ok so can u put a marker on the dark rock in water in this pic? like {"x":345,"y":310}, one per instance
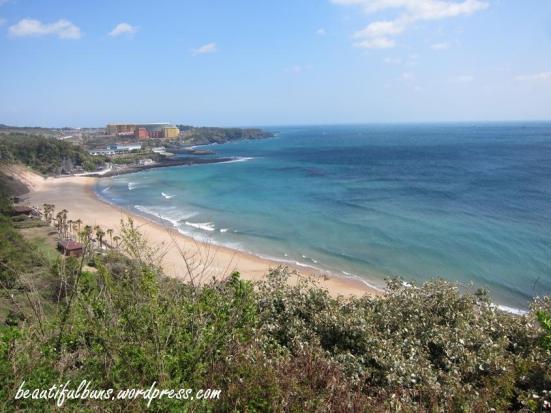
{"x":189,"y":151}
{"x":166,"y":163}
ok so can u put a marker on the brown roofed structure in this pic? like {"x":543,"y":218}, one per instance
{"x":70,"y":248}
{"x":22,"y":210}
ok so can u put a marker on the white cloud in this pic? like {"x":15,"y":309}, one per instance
{"x":408,"y":80}
{"x":420,"y":9}
{"x":298,"y":68}
{"x":123,"y":28}
{"x":412,"y":60}
{"x":379,"y":33}
{"x":63,"y":29}
{"x":392,"y":60}
{"x":321,"y":32}
{"x":462,"y":79}
{"x":376,"y":43}
{"x":440,"y":46}
{"x":381,"y":29}
{"x":205,"y":49}
{"x":376,"y":35}
{"x":407,"y":77}
{"x":542,"y":76}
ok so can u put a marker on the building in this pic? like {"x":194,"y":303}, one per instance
{"x":22,"y":210}
{"x":125,"y":148}
{"x":115,"y":149}
{"x":171,"y":132}
{"x":120,"y":129}
{"x":141,"y":133}
{"x":144,"y":130}
{"x":70,"y":248}
{"x":101,"y":152}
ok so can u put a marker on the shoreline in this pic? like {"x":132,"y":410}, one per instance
{"x":77,"y":196}
{"x":302,"y":268}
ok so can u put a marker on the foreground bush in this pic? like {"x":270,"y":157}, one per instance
{"x":271,"y":346}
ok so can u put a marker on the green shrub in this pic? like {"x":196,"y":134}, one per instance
{"x":544,"y":319}
{"x":273,"y":346}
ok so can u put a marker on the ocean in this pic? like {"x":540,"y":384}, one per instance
{"x":464,"y":202}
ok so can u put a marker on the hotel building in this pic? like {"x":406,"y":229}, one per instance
{"x":144,"y":130}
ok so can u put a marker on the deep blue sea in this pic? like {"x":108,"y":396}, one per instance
{"x":465,"y":202}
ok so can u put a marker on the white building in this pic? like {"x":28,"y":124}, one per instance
{"x":115,"y":149}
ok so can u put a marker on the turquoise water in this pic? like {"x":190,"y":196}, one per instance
{"x":470,"y":203}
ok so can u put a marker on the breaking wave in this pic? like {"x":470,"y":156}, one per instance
{"x":205,"y":226}
{"x":171,"y":214}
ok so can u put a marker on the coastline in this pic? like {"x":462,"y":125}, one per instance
{"x":165,"y":163}
{"x":77,"y":195}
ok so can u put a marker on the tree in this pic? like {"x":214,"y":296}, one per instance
{"x":110,"y":232}
{"x":48,"y":212}
{"x":47,"y":156}
{"x":79,"y":223}
{"x":117,"y":240}
{"x":99,"y":236}
{"x":86,"y":234}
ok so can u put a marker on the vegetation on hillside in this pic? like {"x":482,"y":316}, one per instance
{"x":206,"y":135}
{"x":268,"y":346}
{"x":46,"y":155}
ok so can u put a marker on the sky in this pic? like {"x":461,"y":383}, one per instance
{"x":246,"y":63}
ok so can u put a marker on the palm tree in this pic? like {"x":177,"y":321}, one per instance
{"x":110,"y":232}
{"x":62,"y":223}
{"x":99,"y":235}
{"x":79,"y":223}
{"x":59,"y":223}
{"x":48,"y":212}
{"x":117,"y":240}
{"x":86,"y":233}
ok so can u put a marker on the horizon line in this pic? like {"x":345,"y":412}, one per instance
{"x":307,"y":124}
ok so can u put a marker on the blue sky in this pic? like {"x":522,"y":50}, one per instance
{"x":86,"y":63}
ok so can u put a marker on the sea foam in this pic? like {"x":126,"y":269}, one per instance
{"x":173,"y":215}
{"x":511,"y":310}
{"x":205,"y":226}
{"x":239,"y":159}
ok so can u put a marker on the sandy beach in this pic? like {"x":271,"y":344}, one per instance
{"x":76,"y":195}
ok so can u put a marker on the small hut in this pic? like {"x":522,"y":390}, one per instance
{"x":19,"y":210}
{"x":70,"y":248}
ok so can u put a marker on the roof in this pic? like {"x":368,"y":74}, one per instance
{"x":70,"y":245}
{"x":139,"y":124}
{"x":22,"y":208}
